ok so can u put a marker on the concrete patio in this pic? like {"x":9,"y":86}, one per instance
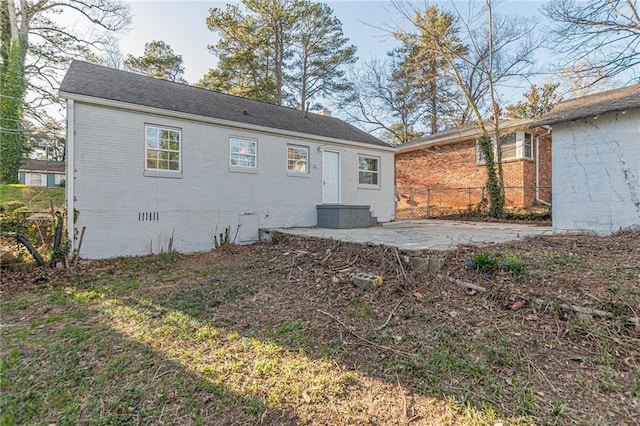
{"x":427,"y":234}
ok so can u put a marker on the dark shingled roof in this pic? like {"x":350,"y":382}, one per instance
{"x":43,"y":165}
{"x":88,"y":79}
{"x":592,"y":105}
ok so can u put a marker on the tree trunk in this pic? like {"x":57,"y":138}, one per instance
{"x":304,"y":78}
{"x":434,"y":98}
{"x":496,"y":194}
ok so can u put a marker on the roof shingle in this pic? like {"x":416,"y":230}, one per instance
{"x":96,"y":81}
{"x":592,"y":105}
{"x":32,"y":164}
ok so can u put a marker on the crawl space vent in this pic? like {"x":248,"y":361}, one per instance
{"x":148,"y":216}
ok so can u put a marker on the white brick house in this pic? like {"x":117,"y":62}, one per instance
{"x":596,"y":162}
{"x":152,"y":161}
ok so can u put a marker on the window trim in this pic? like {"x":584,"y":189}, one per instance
{"x":524,"y":146}
{"x":157,"y":172}
{"x":377,"y":172}
{"x":242,"y":168}
{"x":307,"y":160}
{"x":509,"y":144}
{"x":480,"y":160}
{"x":520,"y":147}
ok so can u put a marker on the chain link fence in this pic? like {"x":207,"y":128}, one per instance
{"x":427,"y":202}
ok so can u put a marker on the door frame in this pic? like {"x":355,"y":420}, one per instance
{"x":338,"y":177}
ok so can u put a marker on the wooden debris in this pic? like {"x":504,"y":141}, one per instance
{"x":390,"y":315}
{"x":374,"y":344}
{"x":586,"y":311}
{"x":465,"y":284}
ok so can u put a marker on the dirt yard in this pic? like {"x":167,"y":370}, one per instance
{"x":541,"y":331}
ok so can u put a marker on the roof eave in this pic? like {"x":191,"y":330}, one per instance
{"x":458,"y":137}
{"x":217,"y":121}
{"x":563,"y":119}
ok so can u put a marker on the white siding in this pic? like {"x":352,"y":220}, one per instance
{"x":111,"y":190}
{"x":596,"y":174}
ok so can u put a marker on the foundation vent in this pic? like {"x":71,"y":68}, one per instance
{"x":148,"y":216}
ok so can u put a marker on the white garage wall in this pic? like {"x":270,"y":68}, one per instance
{"x":596,"y":173}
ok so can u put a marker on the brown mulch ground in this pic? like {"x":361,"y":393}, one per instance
{"x":520,"y":348}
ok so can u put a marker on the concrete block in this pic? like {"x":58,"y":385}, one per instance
{"x":366,"y":281}
{"x":418,"y":263}
{"x":435,"y":264}
{"x":432,"y":264}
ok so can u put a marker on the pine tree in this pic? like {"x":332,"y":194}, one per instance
{"x":159,"y":61}
{"x":428,"y":69}
{"x":279,"y":51}
{"x":536,"y":102}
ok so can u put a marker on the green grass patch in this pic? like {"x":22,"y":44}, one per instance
{"x":34,"y":197}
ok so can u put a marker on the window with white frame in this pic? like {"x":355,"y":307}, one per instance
{"x":508,"y":146}
{"x":297,"y":159}
{"x":162,"y":148}
{"x":243,"y":153}
{"x":516,"y":145}
{"x":528,"y":146}
{"x":368,"y":170}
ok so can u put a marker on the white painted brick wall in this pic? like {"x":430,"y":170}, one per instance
{"x":596,"y":173}
{"x":111,"y":190}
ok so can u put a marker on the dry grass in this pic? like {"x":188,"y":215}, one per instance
{"x":275,"y":334}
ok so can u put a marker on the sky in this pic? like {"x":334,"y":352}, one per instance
{"x":181,"y":24}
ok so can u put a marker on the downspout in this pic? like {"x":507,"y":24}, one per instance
{"x":70,"y":182}
{"x":538,"y":200}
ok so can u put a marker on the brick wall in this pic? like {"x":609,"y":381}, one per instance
{"x":545,"y":168}
{"x":456,"y":181}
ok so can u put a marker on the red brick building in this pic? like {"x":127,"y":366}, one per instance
{"x":445,"y":172}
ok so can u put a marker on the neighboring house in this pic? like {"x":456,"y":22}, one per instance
{"x":596,"y":162}
{"x":447,"y":172}
{"x":41,"y":173}
{"x":154,"y":164}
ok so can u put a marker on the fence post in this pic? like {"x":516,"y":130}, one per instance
{"x":469,"y":203}
{"x":411,"y":203}
{"x":428,"y":202}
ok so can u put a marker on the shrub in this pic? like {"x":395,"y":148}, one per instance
{"x":482,"y":261}
{"x":8,"y":207}
{"x":513,"y":264}
{"x":484,"y":264}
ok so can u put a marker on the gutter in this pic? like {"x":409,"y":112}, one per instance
{"x":538,"y":199}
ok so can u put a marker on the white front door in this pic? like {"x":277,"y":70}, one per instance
{"x":330,"y":177}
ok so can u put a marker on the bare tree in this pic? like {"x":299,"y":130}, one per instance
{"x":51,"y":45}
{"x":34,"y":49}
{"x":384,"y":99}
{"x":602,"y":33}
{"x":583,"y":78}
{"x":499,"y":49}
